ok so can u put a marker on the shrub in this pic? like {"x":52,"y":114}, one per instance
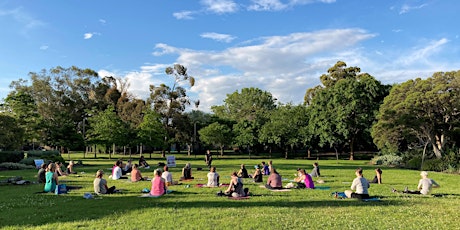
{"x":387,"y":160}
{"x":414,"y":163}
{"x":42,"y":154}
{"x":437,"y":165}
{"x":14,"y":166}
{"x":11,"y":156}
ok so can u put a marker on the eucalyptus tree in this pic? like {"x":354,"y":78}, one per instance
{"x":250,"y":109}
{"x":344,"y":110}
{"x":151,"y":131}
{"x":171,"y":101}
{"x":420,"y":112}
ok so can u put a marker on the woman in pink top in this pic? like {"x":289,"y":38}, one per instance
{"x":158,"y":184}
{"x":304,"y":180}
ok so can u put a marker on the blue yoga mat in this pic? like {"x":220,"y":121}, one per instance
{"x":323,"y":187}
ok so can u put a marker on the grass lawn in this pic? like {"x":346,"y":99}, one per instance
{"x":190,"y":207}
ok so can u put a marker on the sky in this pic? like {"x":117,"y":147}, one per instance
{"x":280,"y":46}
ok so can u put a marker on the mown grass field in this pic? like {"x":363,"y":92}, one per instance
{"x":190,"y":207}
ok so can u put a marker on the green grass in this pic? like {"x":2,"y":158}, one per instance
{"x":200,"y":208}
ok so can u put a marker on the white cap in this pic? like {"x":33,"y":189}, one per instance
{"x":424,"y":173}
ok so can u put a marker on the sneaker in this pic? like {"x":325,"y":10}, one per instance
{"x":393,"y":189}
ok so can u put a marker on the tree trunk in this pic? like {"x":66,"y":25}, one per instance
{"x":352,"y":153}
{"x":221,"y":151}
{"x":309,"y":153}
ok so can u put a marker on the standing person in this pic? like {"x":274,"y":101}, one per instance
{"x":378,"y":176}
{"x":360,"y":185}
{"x":315,"y":171}
{"x":100,"y":184}
{"x":257,"y":176}
{"x":51,"y":178}
{"x":41,"y":175}
{"x":265,"y":169}
{"x":274,"y":180}
{"x":424,"y":185}
{"x":158,"y":184}
{"x":208,"y":158}
{"x":213,"y":178}
{"x":136,"y":175}
{"x":243,"y":173}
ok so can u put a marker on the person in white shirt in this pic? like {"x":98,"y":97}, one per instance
{"x":360,"y":185}
{"x":213,"y":178}
{"x":168,"y":176}
{"x":424,"y":185}
{"x":117,"y":172}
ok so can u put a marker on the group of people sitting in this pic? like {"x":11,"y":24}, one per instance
{"x":49,"y":174}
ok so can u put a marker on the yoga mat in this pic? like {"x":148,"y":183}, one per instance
{"x":323,"y":187}
{"x":281,"y":190}
{"x":371,"y":199}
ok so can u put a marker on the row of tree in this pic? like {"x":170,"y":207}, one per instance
{"x":71,"y":108}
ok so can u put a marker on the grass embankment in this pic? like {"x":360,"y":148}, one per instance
{"x":200,"y":208}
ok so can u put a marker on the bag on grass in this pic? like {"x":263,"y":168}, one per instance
{"x":60,"y":189}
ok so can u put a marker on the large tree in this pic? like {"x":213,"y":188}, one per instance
{"x":344,"y":110}
{"x":283,"y":127}
{"x":216,"y":134}
{"x":420,"y":112}
{"x":250,"y":109}
{"x":170,"y":101}
{"x":11,"y":133}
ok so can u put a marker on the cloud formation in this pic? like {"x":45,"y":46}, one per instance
{"x":218,"y":37}
{"x":407,"y":8}
{"x":90,"y":35}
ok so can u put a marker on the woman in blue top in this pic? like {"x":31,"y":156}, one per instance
{"x":51,"y":178}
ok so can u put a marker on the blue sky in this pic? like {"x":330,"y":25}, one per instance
{"x":281,"y":46}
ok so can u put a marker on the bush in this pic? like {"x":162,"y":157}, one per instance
{"x":387,"y":160}
{"x":437,"y":165}
{"x":14,"y":166}
{"x":11,"y":156}
{"x":414,"y":163}
{"x":42,"y":154}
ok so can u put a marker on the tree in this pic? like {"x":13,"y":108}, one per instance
{"x":250,"y":109}
{"x":169,"y":101}
{"x":344,"y":110}
{"x":107,"y":128}
{"x":420,"y":112}
{"x":216,"y":134}
{"x":150,"y":130}
{"x":283,"y":127}
{"x":11,"y":133}
{"x":21,"y":105}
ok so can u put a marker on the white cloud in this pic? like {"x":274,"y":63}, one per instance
{"x":44,"y":47}
{"x":272,"y":64}
{"x":218,"y":37}
{"x":183,"y":15}
{"x":420,"y":55}
{"x":220,"y":6}
{"x":90,"y":35}
{"x":23,"y":18}
{"x":267,"y":5}
{"x":87,"y":35}
{"x":406,"y":8}
{"x":102,"y":21}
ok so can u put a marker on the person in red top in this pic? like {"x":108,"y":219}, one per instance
{"x":136,"y":174}
{"x":158,"y":184}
